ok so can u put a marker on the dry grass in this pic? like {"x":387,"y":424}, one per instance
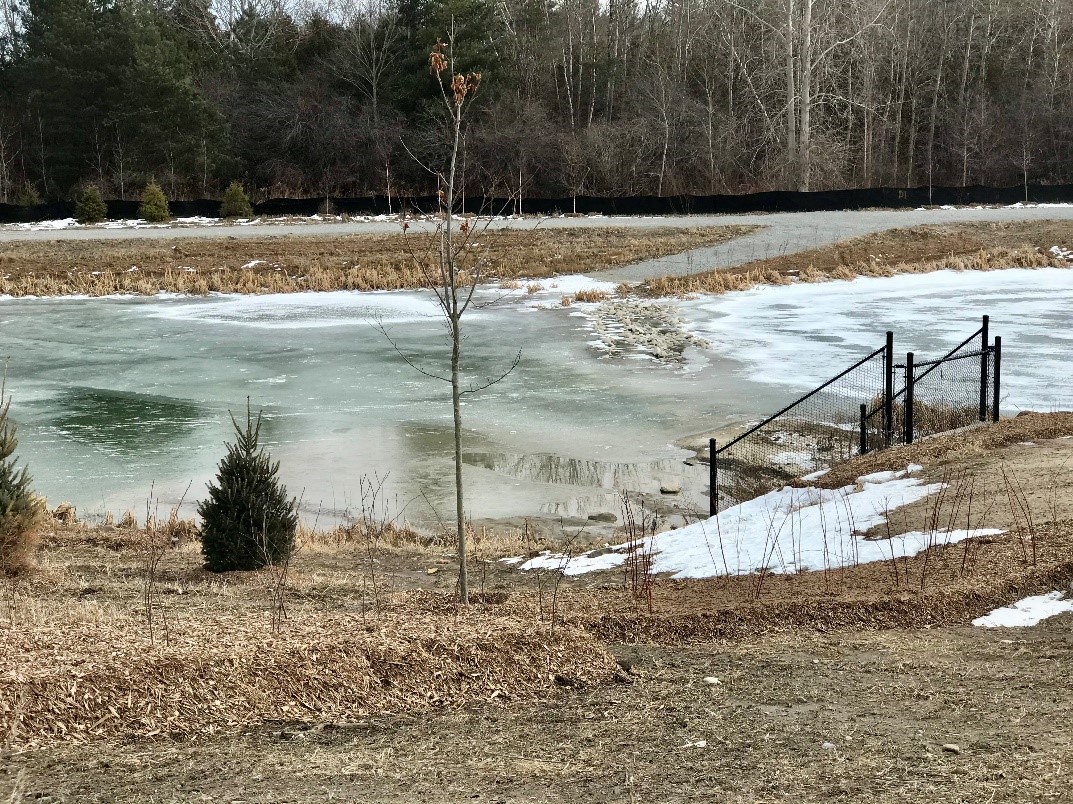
{"x":87,"y":680}
{"x":960,"y":247}
{"x":884,"y":702}
{"x":973,"y":443}
{"x":352,"y":262}
{"x":370,"y":627}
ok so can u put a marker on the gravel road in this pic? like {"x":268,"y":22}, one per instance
{"x":784,"y":232}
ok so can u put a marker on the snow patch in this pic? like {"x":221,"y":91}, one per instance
{"x":1026,"y":612}
{"x":784,"y":531}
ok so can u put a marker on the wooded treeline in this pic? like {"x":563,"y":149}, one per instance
{"x":592,"y":97}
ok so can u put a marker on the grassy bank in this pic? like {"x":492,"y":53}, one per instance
{"x":922,"y":249}
{"x":351,"y":262}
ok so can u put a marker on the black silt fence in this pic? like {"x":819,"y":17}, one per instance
{"x":829,"y":200}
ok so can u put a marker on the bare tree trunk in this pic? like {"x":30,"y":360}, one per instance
{"x":454,"y":315}
{"x":791,"y":89}
{"x":805,"y":90}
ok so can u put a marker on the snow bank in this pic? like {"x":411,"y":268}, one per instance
{"x":788,"y":530}
{"x":1026,"y":612}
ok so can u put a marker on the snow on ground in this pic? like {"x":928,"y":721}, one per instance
{"x":787,"y":530}
{"x":798,"y":335}
{"x":1026,"y":612}
{"x":547,"y":292}
{"x":1021,"y":205}
{"x":305,"y":310}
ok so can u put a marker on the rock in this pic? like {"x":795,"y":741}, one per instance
{"x":603,"y":516}
{"x":712,"y":680}
{"x":432,"y":570}
{"x":670,"y":487}
{"x":828,"y":746}
{"x":952,"y":748}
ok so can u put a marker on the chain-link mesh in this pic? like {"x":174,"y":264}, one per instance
{"x":814,"y":433}
{"x":950,"y":393}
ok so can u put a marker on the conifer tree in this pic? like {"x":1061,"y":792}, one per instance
{"x":90,"y":206}
{"x":28,"y":195}
{"x":154,"y":205}
{"x":21,"y":511}
{"x":247,"y":521}
{"x":236,"y":204}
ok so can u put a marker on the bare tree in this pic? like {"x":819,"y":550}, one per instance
{"x":452,"y":269}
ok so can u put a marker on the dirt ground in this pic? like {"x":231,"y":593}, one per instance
{"x":862,"y":685}
{"x":347,"y":262}
{"x":857,"y":716}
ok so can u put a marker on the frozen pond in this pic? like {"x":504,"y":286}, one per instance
{"x":114,"y":397}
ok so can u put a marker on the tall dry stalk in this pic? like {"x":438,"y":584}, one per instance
{"x":153,"y":547}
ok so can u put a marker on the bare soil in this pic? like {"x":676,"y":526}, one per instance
{"x":348,"y":262}
{"x":851,"y":716}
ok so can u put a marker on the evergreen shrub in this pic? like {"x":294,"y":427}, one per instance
{"x":28,"y":196}
{"x":247,"y":522}
{"x":236,"y":204}
{"x":154,"y":206}
{"x":21,"y":511}
{"x":90,"y":206}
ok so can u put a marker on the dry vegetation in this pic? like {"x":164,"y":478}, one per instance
{"x":922,"y":249}
{"x":351,"y":262}
{"x":357,"y":672}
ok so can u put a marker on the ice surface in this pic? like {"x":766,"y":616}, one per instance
{"x":797,"y":335}
{"x":1026,"y":612}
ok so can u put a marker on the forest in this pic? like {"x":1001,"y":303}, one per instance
{"x":577,"y":97}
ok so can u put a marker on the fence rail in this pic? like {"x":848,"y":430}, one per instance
{"x":870,"y":405}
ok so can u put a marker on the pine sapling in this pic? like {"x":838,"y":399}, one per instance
{"x":248,"y":521}
{"x":90,"y":206}
{"x":236,"y":203}
{"x":21,"y":511}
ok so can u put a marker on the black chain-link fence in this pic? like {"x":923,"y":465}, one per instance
{"x":815,"y":432}
{"x":957,"y":390}
{"x":871,"y":405}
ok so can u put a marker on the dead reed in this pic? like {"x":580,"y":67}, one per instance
{"x":257,"y":265}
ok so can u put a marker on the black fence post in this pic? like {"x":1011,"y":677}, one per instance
{"x":996,"y":383}
{"x":910,"y":376}
{"x":713,"y":479}
{"x":864,"y":428}
{"x":983,"y":370}
{"x":888,"y":389}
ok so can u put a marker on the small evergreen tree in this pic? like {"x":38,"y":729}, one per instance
{"x":90,"y":206}
{"x":154,"y":206}
{"x":28,"y":195}
{"x":236,"y":204}
{"x":247,"y":521}
{"x":21,"y":511}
